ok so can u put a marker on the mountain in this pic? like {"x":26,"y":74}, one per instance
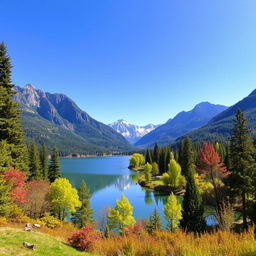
{"x":219,"y":127}
{"x":181,"y":124}
{"x":130,"y":131}
{"x":56,"y":120}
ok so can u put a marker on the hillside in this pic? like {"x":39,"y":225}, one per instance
{"x":56,"y":120}
{"x":11,"y":244}
{"x":130,"y":131}
{"x":219,"y":127}
{"x":181,"y":124}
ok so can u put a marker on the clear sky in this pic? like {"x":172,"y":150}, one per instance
{"x":140,"y":60}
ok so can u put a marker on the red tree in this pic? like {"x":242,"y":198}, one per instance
{"x":209,"y":162}
{"x":18,"y":185}
{"x":85,"y":238}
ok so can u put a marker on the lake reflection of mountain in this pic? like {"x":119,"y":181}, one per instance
{"x":124,"y":182}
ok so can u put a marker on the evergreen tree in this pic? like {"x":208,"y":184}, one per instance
{"x":186,"y":157}
{"x":242,"y":163}
{"x":10,"y":127}
{"x":5,"y":199}
{"x":162,"y":163}
{"x":148,"y":157}
{"x":83,"y":215}
{"x":193,"y":210}
{"x":54,"y":166}
{"x":156,"y":154}
{"x":34,"y":162}
{"x":44,"y":161}
{"x":154,"y":223}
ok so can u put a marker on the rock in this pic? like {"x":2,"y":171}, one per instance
{"x":27,"y":229}
{"x":36,"y":225}
{"x":29,"y":246}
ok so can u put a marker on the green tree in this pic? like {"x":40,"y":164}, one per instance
{"x":156,"y":154}
{"x":34,"y":162}
{"x":54,"y":166}
{"x":5,"y":199}
{"x":148,"y":157}
{"x":44,"y":161}
{"x":172,"y":212}
{"x":10,"y":127}
{"x":147,"y":172}
{"x":83,"y":215}
{"x":5,"y":155}
{"x":64,"y":198}
{"x":136,"y":160}
{"x":155,"y":169}
{"x":121,"y":216}
{"x":162,"y":159}
{"x":154,"y":223}
{"x":242,"y":163}
{"x":193,"y":209}
{"x":187,"y":157}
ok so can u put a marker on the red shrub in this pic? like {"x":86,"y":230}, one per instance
{"x":18,"y":189}
{"x":137,"y":229}
{"x":85,"y":239}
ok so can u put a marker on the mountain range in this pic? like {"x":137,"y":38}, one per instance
{"x":181,"y":124}
{"x":130,"y":131}
{"x":56,"y":120}
{"x":219,"y":127}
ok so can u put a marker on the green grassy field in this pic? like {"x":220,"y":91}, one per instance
{"x":11,"y":244}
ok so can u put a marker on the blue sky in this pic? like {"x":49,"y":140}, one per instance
{"x":140,"y":60}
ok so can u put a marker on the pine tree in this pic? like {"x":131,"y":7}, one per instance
{"x":148,"y":158}
{"x":154,"y":223}
{"x":34,"y":162}
{"x":44,"y":161}
{"x":83,"y":215}
{"x":10,"y":127}
{"x":54,"y":166}
{"x":242,"y":163}
{"x":162,"y":159}
{"x":5,"y":199}
{"x":187,"y":157}
{"x":193,"y":210}
{"x":156,"y":154}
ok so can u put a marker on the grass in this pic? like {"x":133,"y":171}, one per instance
{"x":11,"y":240}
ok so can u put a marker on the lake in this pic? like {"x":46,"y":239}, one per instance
{"x":108,"y":178}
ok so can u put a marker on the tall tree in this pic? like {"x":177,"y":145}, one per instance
{"x":186,"y":157}
{"x":83,"y":215}
{"x":172,"y":212}
{"x":147,"y":172}
{"x":148,"y":157}
{"x":210,"y":163}
{"x":242,"y":163}
{"x":34,"y":162}
{"x":156,"y":154}
{"x":10,"y":127}
{"x":192,"y":206}
{"x":5,"y":199}
{"x":44,"y":161}
{"x":54,"y":166}
{"x":162,"y":159}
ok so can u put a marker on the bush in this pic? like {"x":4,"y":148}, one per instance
{"x":50,"y":221}
{"x":17,"y":215}
{"x":85,"y":239}
{"x":3,"y":221}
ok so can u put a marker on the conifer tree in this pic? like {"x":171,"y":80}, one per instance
{"x":83,"y":215}
{"x":44,"y":161}
{"x":156,"y":154}
{"x":154,"y":223}
{"x":34,"y":162}
{"x":5,"y":199}
{"x":10,"y":127}
{"x":148,"y":157}
{"x":242,"y":163}
{"x":167,"y":157}
{"x":54,"y":166}
{"x":192,"y":207}
{"x":186,"y":157}
{"x":162,"y":163}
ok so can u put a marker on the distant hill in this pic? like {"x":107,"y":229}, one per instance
{"x":56,"y":120}
{"x":130,"y":131}
{"x":219,"y":127}
{"x":181,"y":124}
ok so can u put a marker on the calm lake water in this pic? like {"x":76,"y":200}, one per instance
{"x":108,"y":178}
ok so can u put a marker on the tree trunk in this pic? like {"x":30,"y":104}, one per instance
{"x":244,"y":213}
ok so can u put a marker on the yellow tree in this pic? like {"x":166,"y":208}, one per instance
{"x":64,"y":198}
{"x":121,"y":216}
{"x":172,"y":212}
{"x":148,"y":172}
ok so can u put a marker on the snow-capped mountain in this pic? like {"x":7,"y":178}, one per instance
{"x":130,"y":131}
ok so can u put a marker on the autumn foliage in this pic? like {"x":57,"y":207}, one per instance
{"x":18,"y":185}
{"x":85,"y":239}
